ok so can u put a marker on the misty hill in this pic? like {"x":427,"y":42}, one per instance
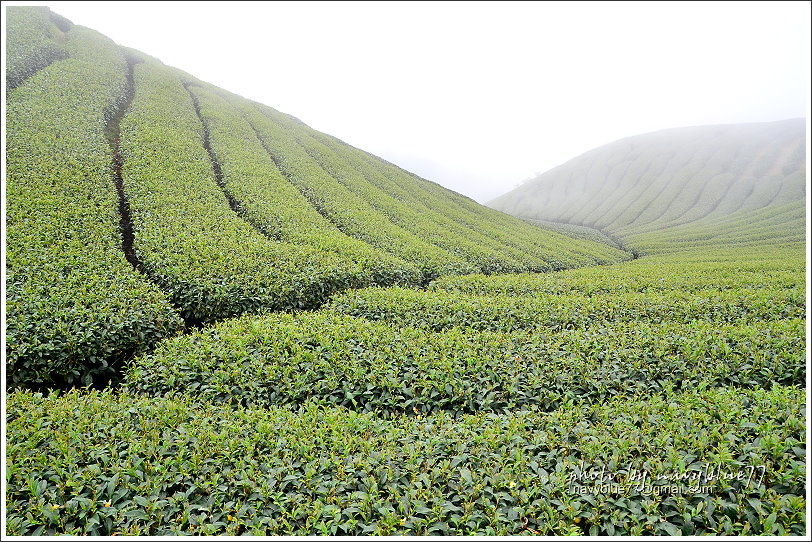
{"x":140,"y":198}
{"x":740,"y":183}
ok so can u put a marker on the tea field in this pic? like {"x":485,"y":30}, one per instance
{"x":220,"y":321}
{"x":669,"y":190}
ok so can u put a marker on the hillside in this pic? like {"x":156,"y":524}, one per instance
{"x":220,"y":321}
{"x":726,"y":184}
{"x":140,"y":200}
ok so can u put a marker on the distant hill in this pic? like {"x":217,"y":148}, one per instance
{"x":738,"y":183}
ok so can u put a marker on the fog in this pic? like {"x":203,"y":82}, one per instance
{"x":480,"y":96}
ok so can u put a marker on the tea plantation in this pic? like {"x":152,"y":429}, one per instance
{"x":683,"y":187}
{"x":222,"y":322}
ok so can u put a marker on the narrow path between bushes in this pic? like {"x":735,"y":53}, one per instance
{"x":284,"y":174}
{"x":235,"y":205}
{"x":113,"y":133}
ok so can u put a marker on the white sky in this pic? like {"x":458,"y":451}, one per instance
{"x":480,"y":96}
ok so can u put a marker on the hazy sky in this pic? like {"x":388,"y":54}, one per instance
{"x":480,"y":96}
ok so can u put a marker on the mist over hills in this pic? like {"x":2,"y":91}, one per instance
{"x":736,"y":183}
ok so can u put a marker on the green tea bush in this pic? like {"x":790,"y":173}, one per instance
{"x":573,"y":230}
{"x":491,"y":240}
{"x":275,"y":207}
{"x":683,"y":272}
{"x":560,"y":251}
{"x":412,"y":215}
{"x":340,"y":360}
{"x":33,"y":41}
{"x":74,"y":306}
{"x":212,"y":263}
{"x":439,"y":310}
{"x":351,"y":214}
{"x":102,"y":463}
{"x":770,"y":227}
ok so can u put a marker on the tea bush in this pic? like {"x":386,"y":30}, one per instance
{"x":74,"y":306}
{"x":33,"y":42}
{"x":286,"y":359}
{"x":770,"y":227}
{"x":557,"y":251}
{"x":438,"y":310}
{"x":480,"y":237}
{"x":686,"y":272}
{"x":212,"y":263}
{"x":102,"y":463}
{"x":350,"y":213}
{"x":275,"y":207}
{"x":414,"y":216}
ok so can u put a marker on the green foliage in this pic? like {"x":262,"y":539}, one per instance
{"x":213,"y":263}
{"x":480,"y":242}
{"x":275,"y":207}
{"x":559,"y":251}
{"x":75,"y":307}
{"x":572,"y":230}
{"x":340,"y":360}
{"x":494,"y":242}
{"x":351,"y":214}
{"x":742,"y":184}
{"x":33,"y":41}
{"x":483,"y":406}
{"x":438,"y":310}
{"x":774,"y":226}
{"x":723,"y":269}
{"x":129,"y":465}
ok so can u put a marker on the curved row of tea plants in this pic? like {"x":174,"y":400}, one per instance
{"x":479,"y":241}
{"x":772,"y":192}
{"x":74,"y":305}
{"x":213,"y":263}
{"x":438,"y":310}
{"x":723,"y":269}
{"x":285,"y":359}
{"x":685,"y":184}
{"x":559,"y":251}
{"x":572,"y":230}
{"x":407,"y":202}
{"x":350,"y":213}
{"x":274,"y":206}
{"x":781,"y":181}
{"x":130,"y":465}
{"x":769,"y":227}
{"x":33,"y":41}
{"x":439,"y":230}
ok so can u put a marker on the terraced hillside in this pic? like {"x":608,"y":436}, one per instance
{"x":222,"y":322}
{"x":141,"y":199}
{"x":727,"y":184}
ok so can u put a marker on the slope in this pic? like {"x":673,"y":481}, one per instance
{"x":138,"y":195}
{"x":728,"y":183}
{"x":483,"y":404}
